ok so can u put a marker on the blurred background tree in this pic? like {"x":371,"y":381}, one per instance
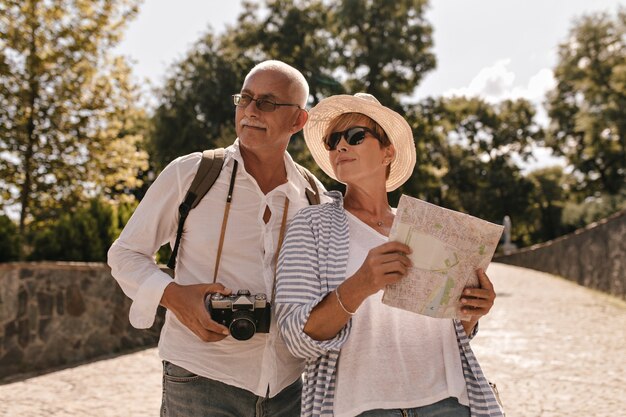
{"x":588,"y":106}
{"x":9,"y":244}
{"x":550,"y":187}
{"x":370,"y":61}
{"x":67,"y":107}
{"x":195,"y":107}
{"x":84,"y":234}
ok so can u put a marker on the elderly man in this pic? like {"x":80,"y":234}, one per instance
{"x":224,"y":248}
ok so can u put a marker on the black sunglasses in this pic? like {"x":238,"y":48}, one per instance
{"x":263,"y":104}
{"x":354,"y":136}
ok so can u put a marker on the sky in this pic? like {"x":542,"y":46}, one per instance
{"x":495,"y":49}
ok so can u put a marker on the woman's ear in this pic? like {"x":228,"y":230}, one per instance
{"x":390,"y":154}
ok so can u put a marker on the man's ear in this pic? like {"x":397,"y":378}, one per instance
{"x":300,"y":121}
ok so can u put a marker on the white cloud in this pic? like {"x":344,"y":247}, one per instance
{"x":538,"y":85}
{"x":543,"y":158}
{"x":491,"y":83}
{"x":497,"y":82}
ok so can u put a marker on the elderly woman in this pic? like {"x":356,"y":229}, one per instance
{"x":362,"y":357}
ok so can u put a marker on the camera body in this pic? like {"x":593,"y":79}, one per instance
{"x":244,"y":314}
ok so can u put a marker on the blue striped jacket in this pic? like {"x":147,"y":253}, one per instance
{"x":311,"y":264}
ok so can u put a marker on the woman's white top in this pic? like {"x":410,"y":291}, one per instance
{"x":393,"y":358}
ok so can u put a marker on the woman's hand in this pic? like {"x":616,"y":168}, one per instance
{"x":477,"y":302}
{"x":385,"y":264}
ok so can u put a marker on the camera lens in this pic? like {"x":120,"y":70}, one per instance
{"x":242,"y":327}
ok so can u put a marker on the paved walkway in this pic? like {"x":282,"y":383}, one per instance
{"x":553,"y":348}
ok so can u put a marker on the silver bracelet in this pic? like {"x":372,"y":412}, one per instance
{"x":341,"y":303}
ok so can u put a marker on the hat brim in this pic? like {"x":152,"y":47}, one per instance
{"x":395,"y":126}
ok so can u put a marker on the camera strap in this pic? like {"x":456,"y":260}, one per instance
{"x":229,"y":198}
{"x":281,"y":234}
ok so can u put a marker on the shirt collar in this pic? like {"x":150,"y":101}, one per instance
{"x":296,"y":183}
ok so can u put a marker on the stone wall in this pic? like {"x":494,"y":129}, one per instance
{"x":594,"y":256}
{"x":60,"y":314}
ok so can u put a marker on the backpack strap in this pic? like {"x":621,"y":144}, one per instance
{"x":208,"y":171}
{"x":312,"y":195}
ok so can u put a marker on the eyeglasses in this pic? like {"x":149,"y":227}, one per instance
{"x":354,"y":136}
{"x":263,"y":104}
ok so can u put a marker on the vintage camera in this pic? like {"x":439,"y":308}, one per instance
{"x":242,"y":313}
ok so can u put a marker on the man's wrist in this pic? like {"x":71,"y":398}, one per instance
{"x":167,"y":294}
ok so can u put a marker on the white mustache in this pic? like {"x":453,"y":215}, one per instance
{"x":251,"y":123}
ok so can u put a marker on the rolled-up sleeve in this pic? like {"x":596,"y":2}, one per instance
{"x":299,"y":289}
{"x":154,"y":222}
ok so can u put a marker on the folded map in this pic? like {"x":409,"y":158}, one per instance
{"x":448,"y":247}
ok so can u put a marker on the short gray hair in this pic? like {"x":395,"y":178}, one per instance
{"x":295,"y":77}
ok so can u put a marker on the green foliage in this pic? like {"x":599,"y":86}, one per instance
{"x":163,"y":254}
{"x":196,"y":105}
{"x":68,"y":109}
{"x":9,"y":242}
{"x":550,"y":187}
{"x":588,"y":105}
{"x":384,"y":46}
{"x":299,"y":33}
{"x":82,"y":235}
{"x":342,"y":46}
{"x":578,"y":215}
{"x":123,"y":211}
{"x":426,"y":182}
{"x":472,"y":145}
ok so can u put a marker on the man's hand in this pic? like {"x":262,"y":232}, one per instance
{"x":477,"y":302}
{"x":187,"y":304}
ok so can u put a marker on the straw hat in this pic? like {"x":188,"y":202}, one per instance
{"x":397,"y":129}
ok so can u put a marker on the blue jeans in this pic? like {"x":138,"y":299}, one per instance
{"x":189,"y":395}
{"x":448,"y":407}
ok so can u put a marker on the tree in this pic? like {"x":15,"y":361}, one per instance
{"x":385,"y":46}
{"x":84,"y":234}
{"x":473,"y":145}
{"x":588,"y":105}
{"x":61,"y":118}
{"x":196,"y":107}
{"x":426,"y":182}
{"x":118,"y":159}
{"x":9,"y":249}
{"x":550,"y":191}
{"x":296,"y":32}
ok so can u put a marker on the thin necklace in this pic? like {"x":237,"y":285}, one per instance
{"x":379,"y":223}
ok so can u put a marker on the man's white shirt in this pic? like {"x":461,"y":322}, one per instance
{"x":247,"y":262}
